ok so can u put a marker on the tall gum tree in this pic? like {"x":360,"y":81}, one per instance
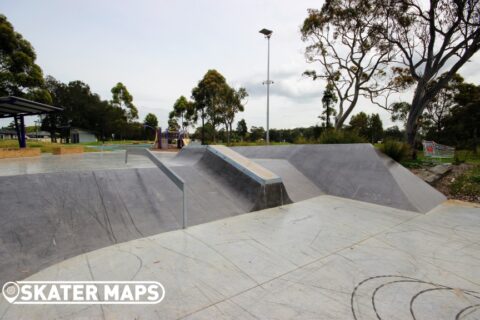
{"x":123,"y":99}
{"x":353,"y":56}
{"x":207,"y":97}
{"x":19,"y":74}
{"x":434,"y":40}
{"x":233,"y":103}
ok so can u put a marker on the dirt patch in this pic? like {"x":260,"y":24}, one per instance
{"x":443,"y":184}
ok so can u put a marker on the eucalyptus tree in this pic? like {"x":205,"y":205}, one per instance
{"x":242,"y":129}
{"x":232,"y":104}
{"x":19,"y":74}
{"x":208,"y":97}
{"x":434,"y":39}
{"x":123,"y":99}
{"x":351,"y":51}
{"x":329,"y":98}
{"x":183,"y":111}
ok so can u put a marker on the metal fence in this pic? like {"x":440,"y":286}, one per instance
{"x":431,"y":149}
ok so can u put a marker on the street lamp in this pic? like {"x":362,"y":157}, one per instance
{"x":268,"y":33}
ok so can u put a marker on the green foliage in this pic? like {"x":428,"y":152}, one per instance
{"x":45,"y":147}
{"x":369,"y":127}
{"x":342,"y":27}
{"x":84,"y":109}
{"x":151,"y":124}
{"x":151,"y":120}
{"x":19,"y":75}
{"x":340,"y":136}
{"x":173,"y":125}
{"x":329,"y":100}
{"x":257,"y":133}
{"x":394,"y":133}
{"x":467,"y":183}
{"x":461,"y":127}
{"x":215,"y":102}
{"x":242,"y":129}
{"x":457,"y":160}
{"x":396,"y":150}
{"x":122,"y":98}
{"x":183,"y":112}
{"x":375,"y":128}
{"x":359,"y":123}
{"x":302,"y":140}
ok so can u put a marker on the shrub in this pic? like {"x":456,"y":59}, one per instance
{"x":301,"y":140}
{"x":340,"y":136}
{"x":467,"y":183}
{"x":395,"y":149}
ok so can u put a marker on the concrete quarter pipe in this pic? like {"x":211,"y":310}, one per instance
{"x":49,"y":217}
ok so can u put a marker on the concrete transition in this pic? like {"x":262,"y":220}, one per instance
{"x":321,"y":258}
{"x":355,"y":171}
{"x":50,"y":216}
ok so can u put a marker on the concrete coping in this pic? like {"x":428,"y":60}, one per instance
{"x":245,"y":165}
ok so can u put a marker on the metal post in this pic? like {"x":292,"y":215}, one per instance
{"x":268,"y":91}
{"x":23,"y":142}
{"x":268,"y":33}
{"x":17,"y":130}
{"x":184,"y":211}
{"x":170,"y":174}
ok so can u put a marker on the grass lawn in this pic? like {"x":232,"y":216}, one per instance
{"x":250,"y":144}
{"x":114,"y":142}
{"x":467,"y":184}
{"x":45,"y":147}
{"x":461,"y":156}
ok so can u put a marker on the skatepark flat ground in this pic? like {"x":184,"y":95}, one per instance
{"x":322,"y":258}
{"x":365,"y":238}
{"x":56,"y":207}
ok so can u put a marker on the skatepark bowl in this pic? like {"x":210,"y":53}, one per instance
{"x":272,"y":232}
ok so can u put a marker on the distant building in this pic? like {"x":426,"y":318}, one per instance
{"x":79,"y":135}
{"x":8,"y":134}
{"x":40,"y":136}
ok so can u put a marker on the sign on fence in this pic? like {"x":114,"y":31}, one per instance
{"x":431,"y":149}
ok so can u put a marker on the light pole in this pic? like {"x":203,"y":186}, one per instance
{"x":268,"y":33}
{"x":37,"y":122}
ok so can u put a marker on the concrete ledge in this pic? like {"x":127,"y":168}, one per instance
{"x":245,"y":165}
{"x":67,"y":150}
{"x":19,"y":153}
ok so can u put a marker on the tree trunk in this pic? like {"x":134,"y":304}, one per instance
{"x":342,"y":117}
{"x":475,"y":140}
{"x":228,"y":133}
{"x":203,"y":128}
{"x":416,"y":109}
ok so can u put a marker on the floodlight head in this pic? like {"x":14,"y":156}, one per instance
{"x":267,"y":33}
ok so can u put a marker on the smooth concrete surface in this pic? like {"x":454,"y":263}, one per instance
{"x":355,"y":171}
{"x":74,"y":205}
{"x":72,"y":162}
{"x":245,"y":165}
{"x":249,"y":187}
{"x":322,"y":258}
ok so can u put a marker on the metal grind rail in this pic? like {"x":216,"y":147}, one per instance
{"x":168,"y":172}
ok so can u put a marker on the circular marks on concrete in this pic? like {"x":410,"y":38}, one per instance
{"x":399,"y":297}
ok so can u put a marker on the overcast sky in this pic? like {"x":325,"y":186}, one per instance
{"x":160,"y":49}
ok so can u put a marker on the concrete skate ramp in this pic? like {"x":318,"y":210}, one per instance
{"x":355,"y":171}
{"x":49,"y":217}
{"x":214,"y":176}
